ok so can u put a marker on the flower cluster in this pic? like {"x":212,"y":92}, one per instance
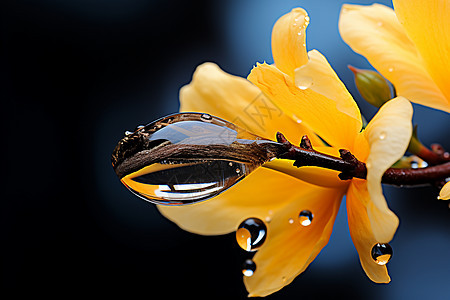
{"x":287,"y":213}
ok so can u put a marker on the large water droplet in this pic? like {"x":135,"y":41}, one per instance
{"x":381,"y":253}
{"x":248,"y":268}
{"x":305,"y":217}
{"x":251,"y":234}
{"x":186,"y":158}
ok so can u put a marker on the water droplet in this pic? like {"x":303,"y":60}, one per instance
{"x":291,"y":221}
{"x":391,"y":69}
{"x":145,"y":163}
{"x":381,"y":253}
{"x":206,"y":117}
{"x":139,"y":127}
{"x":305,"y":217}
{"x":283,"y":279}
{"x":382,"y":135}
{"x":307,"y":19}
{"x":251,"y":234}
{"x":379,"y":24}
{"x":128,"y":132}
{"x":248,"y":268}
{"x":297,"y":119}
{"x":303,"y":82}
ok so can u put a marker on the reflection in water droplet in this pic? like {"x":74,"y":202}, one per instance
{"x":291,"y":221}
{"x":391,"y":69}
{"x":128,"y":132}
{"x":381,"y":253}
{"x":305,"y":218}
{"x":251,"y":234}
{"x":303,"y":82}
{"x":382,"y":135}
{"x":206,"y":117}
{"x":248,"y":268}
{"x":151,"y":162}
{"x":177,"y":182}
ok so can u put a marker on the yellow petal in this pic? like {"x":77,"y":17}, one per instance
{"x":375,"y":32}
{"x":427,"y":23}
{"x":314,"y":175}
{"x":445,"y":192}
{"x":320,"y":113}
{"x":237,"y":100}
{"x":361,"y":230}
{"x":291,"y":247}
{"x":388,"y":135}
{"x":321,"y":78}
{"x":288,"y":41}
{"x":259,"y":195}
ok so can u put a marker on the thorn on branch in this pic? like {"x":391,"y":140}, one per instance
{"x":306,"y":143}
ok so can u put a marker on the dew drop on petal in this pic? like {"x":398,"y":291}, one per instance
{"x":305,"y":218}
{"x":391,"y":69}
{"x":381,"y":253}
{"x":382,"y":135}
{"x":251,"y":234}
{"x":303,"y":82}
{"x":248,"y":268}
{"x":291,"y":221}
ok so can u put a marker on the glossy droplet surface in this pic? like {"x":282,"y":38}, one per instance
{"x":382,"y":135}
{"x":305,"y":218}
{"x":248,"y":267}
{"x":175,"y":182}
{"x":303,"y":82}
{"x":186,"y":158}
{"x":251,"y":234}
{"x":381,"y":253}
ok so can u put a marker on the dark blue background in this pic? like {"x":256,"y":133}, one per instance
{"x":76,"y":74}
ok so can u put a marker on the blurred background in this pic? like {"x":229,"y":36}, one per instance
{"x":76,"y":74}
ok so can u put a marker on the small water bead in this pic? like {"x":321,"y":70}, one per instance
{"x":382,"y":135}
{"x":251,"y":234}
{"x":128,"y":132}
{"x":291,"y":221}
{"x":391,"y":69}
{"x":303,"y":82}
{"x":248,"y":268}
{"x":206,"y":117}
{"x":305,"y":218}
{"x":381,"y":253}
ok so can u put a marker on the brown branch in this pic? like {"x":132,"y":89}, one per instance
{"x":351,"y":167}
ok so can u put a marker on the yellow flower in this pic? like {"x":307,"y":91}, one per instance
{"x":410,"y":47}
{"x":301,"y":95}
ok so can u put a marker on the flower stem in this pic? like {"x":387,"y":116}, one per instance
{"x":351,"y":167}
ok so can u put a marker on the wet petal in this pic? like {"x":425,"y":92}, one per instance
{"x":260,"y":195}
{"x":361,"y":230}
{"x":375,"y":32}
{"x":325,"y":82}
{"x":289,"y":247}
{"x":320,"y":113}
{"x":314,"y":175}
{"x":444,"y":194}
{"x":427,"y":23}
{"x":288,"y":41}
{"x":388,"y":135}
{"x":237,"y":100}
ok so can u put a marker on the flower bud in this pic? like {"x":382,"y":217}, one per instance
{"x":373,"y":87}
